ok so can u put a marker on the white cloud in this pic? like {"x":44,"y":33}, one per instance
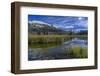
{"x":69,"y":26}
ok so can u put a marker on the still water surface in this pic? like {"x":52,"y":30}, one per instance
{"x":55,"y":51}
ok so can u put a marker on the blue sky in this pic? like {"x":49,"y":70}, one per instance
{"x":64,"y":22}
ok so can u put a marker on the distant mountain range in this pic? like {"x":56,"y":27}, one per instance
{"x":40,"y":27}
{"x":45,"y":28}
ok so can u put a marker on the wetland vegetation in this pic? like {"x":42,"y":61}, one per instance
{"x":49,"y":42}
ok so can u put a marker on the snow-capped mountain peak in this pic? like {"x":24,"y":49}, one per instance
{"x":38,"y":22}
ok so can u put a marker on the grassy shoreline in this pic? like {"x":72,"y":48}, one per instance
{"x":45,"y":39}
{"x":46,"y":36}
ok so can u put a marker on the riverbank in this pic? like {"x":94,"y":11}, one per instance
{"x":51,"y":39}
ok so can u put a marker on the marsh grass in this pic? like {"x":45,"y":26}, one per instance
{"x":77,"y":51}
{"x":48,"y":41}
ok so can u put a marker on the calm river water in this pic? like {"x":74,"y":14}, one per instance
{"x":55,"y":52}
